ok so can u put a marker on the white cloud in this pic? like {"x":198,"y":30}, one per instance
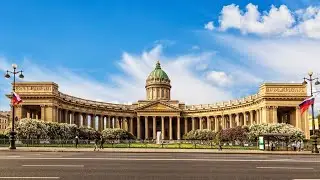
{"x":209,"y":26}
{"x":278,"y":21}
{"x":219,"y":78}
{"x":129,"y":86}
{"x":195,"y":47}
{"x":278,"y":59}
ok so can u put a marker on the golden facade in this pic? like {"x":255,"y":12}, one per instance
{"x":4,"y":120}
{"x":273,"y":103}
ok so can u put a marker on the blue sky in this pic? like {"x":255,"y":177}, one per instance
{"x":104,"y":50}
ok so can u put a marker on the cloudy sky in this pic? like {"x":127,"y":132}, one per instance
{"x":104,"y":50}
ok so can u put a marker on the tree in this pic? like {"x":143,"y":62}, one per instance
{"x":200,"y":134}
{"x":117,"y":134}
{"x":238,"y":133}
{"x":294,"y":133}
{"x":31,"y":129}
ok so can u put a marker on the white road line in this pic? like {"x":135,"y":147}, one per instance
{"x":13,"y":156}
{"x":53,"y":165}
{"x":283,"y":168}
{"x":29,"y":177}
{"x":173,"y":159}
{"x":305,"y":179}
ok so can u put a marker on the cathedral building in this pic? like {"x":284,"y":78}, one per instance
{"x":273,"y":103}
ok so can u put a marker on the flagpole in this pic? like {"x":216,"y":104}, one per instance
{"x":314,"y":136}
{"x":7,"y":75}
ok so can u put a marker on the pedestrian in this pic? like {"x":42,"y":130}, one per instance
{"x":101,"y":142}
{"x":299,"y":145}
{"x":294,"y":146}
{"x":77,"y":141}
{"x":302,"y":145}
{"x":220,"y":146}
{"x":96,"y":141}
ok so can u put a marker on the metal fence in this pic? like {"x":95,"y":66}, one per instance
{"x":177,"y":144}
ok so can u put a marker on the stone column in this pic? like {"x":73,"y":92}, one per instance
{"x":72,"y":118}
{"x":125,"y":123}
{"x":99,"y":123}
{"x":28,"y":115}
{"x":216,"y":123}
{"x":66,"y":117}
{"x":162,"y":128}
{"x":230,"y":121}
{"x":85,"y":119}
{"x":146,"y":127}
{"x":178,"y":128}
{"x":93,"y":121}
{"x":236,"y":119}
{"x":131,"y":125}
{"x":109,"y":123}
{"x":193,"y":123}
{"x":154,"y":127}
{"x":251,"y":117}
{"x":185,"y":125}
{"x":170,"y":128}
{"x":298,"y":117}
{"x":208,"y":123}
{"x":257,"y":116}
{"x":200,"y":123}
{"x":138,"y":128}
{"x":43,"y":115}
{"x":244,"y":118}
{"x":274,"y":114}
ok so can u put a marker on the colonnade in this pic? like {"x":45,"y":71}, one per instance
{"x":171,"y":127}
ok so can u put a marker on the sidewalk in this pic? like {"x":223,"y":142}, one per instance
{"x":153,"y":150}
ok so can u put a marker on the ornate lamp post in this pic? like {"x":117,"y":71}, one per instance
{"x":12,"y":133}
{"x":314,"y":137}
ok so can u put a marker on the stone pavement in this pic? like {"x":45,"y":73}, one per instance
{"x":155,"y":150}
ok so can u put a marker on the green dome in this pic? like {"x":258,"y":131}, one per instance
{"x":158,"y":73}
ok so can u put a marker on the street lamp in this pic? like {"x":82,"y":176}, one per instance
{"x":7,"y":75}
{"x":314,"y":137}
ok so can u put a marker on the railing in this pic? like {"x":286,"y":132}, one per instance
{"x":175,"y":144}
{"x":169,"y":144}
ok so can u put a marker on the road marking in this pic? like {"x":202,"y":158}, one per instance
{"x":29,"y":177}
{"x":53,"y":165}
{"x":173,"y":159}
{"x":13,"y":156}
{"x":305,"y":179}
{"x":282,"y":168}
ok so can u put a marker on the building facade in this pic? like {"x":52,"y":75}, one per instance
{"x":273,"y":103}
{"x":4,"y":120}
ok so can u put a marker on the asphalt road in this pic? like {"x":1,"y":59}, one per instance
{"x":156,"y":166}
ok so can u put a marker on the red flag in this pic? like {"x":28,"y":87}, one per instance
{"x":306,"y":104}
{"x":16,"y":99}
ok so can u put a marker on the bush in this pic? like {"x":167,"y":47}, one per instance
{"x":31,"y":129}
{"x":238,"y":133}
{"x":117,"y":134}
{"x":36,"y":129}
{"x":200,"y":134}
{"x":3,"y":135}
{"x":294,"y":133}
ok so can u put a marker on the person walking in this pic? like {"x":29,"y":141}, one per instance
{"x":77,"y":141}
{"x":102,"y":140}
{"x":96,"y":141}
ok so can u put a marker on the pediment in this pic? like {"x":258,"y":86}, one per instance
{"x":158,"y":106}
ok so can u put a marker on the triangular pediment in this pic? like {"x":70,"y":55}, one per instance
{"x":158,"y":106}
